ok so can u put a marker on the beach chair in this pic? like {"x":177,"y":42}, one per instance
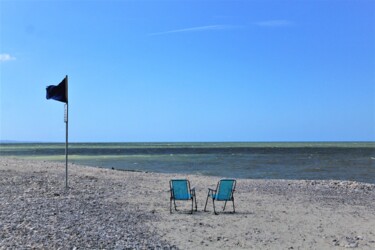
{"x":180,"y":190}
{"x":223,"y":192}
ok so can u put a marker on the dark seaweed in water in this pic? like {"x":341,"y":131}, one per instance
{"x":224,"y":150}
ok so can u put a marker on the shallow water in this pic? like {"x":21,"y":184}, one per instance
{"x":340,"y":161}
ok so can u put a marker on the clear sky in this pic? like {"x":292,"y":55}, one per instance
{"x":189,"y":70}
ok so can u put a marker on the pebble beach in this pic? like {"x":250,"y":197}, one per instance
{"x":111,"y":209}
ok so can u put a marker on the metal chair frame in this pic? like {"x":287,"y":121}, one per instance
{"x":215,"y":195}
{"x":190,"y":195}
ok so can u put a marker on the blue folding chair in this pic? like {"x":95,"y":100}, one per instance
{"x":180,"y":190}
{"x":223,"y":192}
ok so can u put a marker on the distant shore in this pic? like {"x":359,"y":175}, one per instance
{"x":111,"y":209}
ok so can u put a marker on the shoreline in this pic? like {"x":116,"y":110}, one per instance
{"x":106,"y":208}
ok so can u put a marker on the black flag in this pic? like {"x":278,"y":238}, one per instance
{"x":59,"y":92}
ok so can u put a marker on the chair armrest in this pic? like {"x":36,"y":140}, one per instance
{"x":192,"y":191}
{"x":211,"y":191}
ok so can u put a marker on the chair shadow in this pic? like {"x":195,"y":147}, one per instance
{"x":208,"y":212}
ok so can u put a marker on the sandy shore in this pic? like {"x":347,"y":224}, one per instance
{"x":123,"y":210}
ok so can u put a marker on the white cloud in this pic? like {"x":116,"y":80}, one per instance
{"x":194,"y":29}
{"x":274,"y":23}
{"x":6,"y":57}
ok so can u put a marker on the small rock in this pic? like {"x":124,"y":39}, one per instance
{"x":352,"y":245}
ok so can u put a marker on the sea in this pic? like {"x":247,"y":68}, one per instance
{"x":354,"y":161}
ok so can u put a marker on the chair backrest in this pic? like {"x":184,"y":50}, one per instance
{"x":225,"y":189}
{"x":180,"y":189}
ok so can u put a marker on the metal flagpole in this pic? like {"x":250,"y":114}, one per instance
{"x":66,"y":139}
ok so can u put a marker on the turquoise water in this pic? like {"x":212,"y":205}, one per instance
{"x":340,"y":161}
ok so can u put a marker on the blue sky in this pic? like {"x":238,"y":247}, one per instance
{"x":189,"y":70}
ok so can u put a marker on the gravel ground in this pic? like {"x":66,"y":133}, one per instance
{"x":36,"y":212}
{"x":109,"y":209}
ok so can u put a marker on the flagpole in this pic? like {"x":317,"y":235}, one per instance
{"x":66,"y":139}
{"x":57,"y":93}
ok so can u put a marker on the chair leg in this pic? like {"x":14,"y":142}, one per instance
{"x":175,"y":207}
{"x":196,"y":207}
{"x":213,"y":202}
{"x":170,"y":206}
{"x":192,"y":205}
{"x":206,"y":203}
{"x":233,"y":206}
{"x":224,"y":205}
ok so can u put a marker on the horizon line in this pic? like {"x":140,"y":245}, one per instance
{"x":238,"y":141}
